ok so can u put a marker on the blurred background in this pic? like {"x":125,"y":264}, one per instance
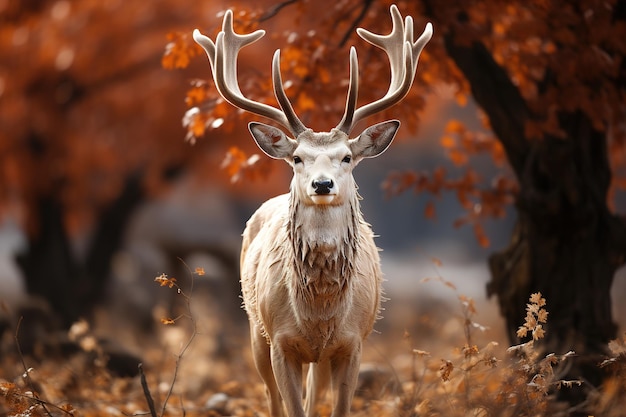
{"x":107,"y":180}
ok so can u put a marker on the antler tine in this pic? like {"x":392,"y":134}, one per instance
{"x":295,"y":125}
{"x":223,"y":59}
{"x":346,"y":122}
{"x":403,"y":56}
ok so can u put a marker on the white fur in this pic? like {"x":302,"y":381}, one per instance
{"x":310,"y":272}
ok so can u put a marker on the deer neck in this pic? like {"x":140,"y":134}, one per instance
{"x":324,"y":239}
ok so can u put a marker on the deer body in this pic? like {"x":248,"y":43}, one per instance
{"x":308,"y":290}
{"x":314,"y":309}
{"x":310,"y":271}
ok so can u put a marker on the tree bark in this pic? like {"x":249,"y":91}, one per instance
{"x":566,"y":243}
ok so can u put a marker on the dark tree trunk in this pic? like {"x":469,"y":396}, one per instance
{"x":47,"y":264}
{"x":566,"y":244}
{"x":72,"y":286}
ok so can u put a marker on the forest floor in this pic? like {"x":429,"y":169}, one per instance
{"x":424,"y":359}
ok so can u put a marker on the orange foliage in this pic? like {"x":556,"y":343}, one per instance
{"x":84,"y":104}
{"x":529,"y":39}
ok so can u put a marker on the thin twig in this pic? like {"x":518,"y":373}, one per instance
{"x":146,"y":391}
{"x":274,"y":10}
{"x":355,"y":22}
{"x":180,"y":355}
{"x":26,"y":374}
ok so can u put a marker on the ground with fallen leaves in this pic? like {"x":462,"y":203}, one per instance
{"x":436,"y":360}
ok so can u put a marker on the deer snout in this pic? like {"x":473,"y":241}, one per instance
{"x":322,"y":186}
{"x":324,"y":191}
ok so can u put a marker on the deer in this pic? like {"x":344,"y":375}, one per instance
{"x":310,"y":271}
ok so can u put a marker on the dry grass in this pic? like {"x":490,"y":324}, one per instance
{"x":184,"y":374}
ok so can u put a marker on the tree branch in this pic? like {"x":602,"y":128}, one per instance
{"x":355,"y":22}
{"x":274,"y":10}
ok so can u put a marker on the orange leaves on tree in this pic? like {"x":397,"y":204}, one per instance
{"x":447,"y":142}
{"x":240,"y":166}
{"x":458,"y":157}
{"x":305,"y":102}
{"x":179,"y":50}
{"x":460,"y":143}
{"x":198,"y":93}
{"x":195,"y":122}
{"x":429,"y":210}
{"x":479,"y":203}
{"x":481,"y":236}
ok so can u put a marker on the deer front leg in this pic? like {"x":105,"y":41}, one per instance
{"x":288,"y":372}
{"x":261,"y":354}
{"x":345,"y":373}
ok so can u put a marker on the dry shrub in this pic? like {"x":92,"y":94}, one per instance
{"x":475,"y":381}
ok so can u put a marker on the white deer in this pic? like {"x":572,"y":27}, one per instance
{"x":310,"y":271}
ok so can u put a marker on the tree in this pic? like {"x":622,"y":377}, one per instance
{"x":557,"y":111}
{"x":90,"y":128}
{"x":549,"y":79}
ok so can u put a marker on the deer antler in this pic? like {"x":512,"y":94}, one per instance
{"x":223,"y":59}
{"x":403,"y":56}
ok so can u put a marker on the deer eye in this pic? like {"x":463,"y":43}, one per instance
{"x":297,"y":160}
{"x":347,"y":159}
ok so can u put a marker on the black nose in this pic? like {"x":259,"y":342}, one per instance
{"x":322,"y":186}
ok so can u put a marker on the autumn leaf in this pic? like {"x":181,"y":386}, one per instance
{"x":542,"y":316}
{"x":198,"y":93}
{"x":537,"y":299}
{"x":458,"y":157}
{"x":447,"y":141}
{"x":429,"y":210}
{"x":179,"y":50}
{"x":469,"y":351}
{"x":538,"y":332}
{"x":240,"y":166}
{"x":445,"y":370}
{"x":305,"y":102}
{"x":165,"y":281}
{"x":522,"y":331}
{"x":481,"y":236}
{"x":454,"y":126}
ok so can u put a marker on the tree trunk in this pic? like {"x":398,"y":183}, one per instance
{"x":47,"y":264}
{"x":566,"y":244}
{"x":72,"y":286}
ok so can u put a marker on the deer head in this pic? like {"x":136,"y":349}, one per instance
{"x":322,"y":162}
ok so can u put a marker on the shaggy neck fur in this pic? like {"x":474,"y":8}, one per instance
{"x":324,"y":239}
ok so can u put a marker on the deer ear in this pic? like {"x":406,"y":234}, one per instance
{"x":272,"y":140}
{"x":374,"y":140}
